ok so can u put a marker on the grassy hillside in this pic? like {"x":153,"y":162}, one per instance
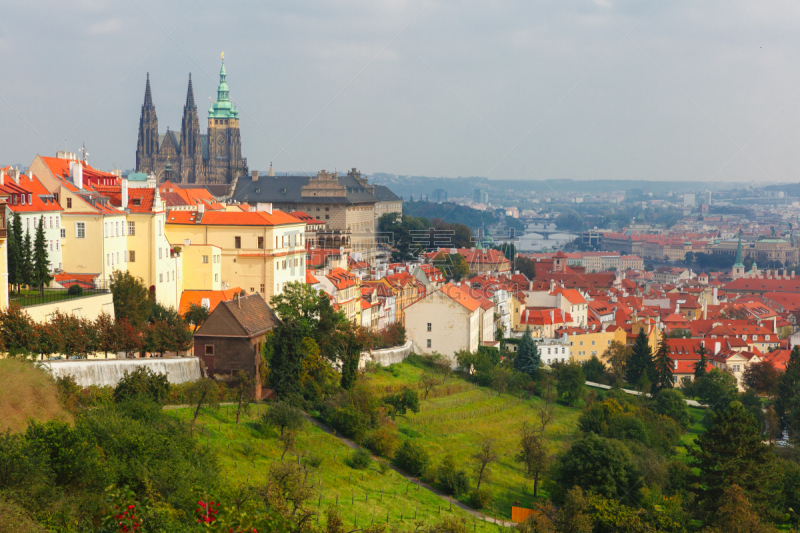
{"x":27,"y":392}
{"x":247,"y":450}
{"x":462,"y":415}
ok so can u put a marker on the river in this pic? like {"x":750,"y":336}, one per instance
{"x":533,"y":242}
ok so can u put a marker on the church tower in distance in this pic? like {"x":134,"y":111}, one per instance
{"x":192,"y":157}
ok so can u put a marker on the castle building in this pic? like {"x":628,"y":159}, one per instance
{"x":189,"y":156}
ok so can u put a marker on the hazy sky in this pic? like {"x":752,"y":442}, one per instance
{"x":689,"y":90}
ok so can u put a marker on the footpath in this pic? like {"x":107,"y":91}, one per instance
{"x":691,"y":403}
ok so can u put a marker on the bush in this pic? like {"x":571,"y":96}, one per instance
{"x":75,"y":290}
{"x":360,"y":459}
{"x":453,"y":480}
{"x":349,"y":422}
{"x":142,"y":382}
{"x":480,"y":499}
{"x":403,"y":401}
{"x":411,"y":457}
{"x":594,"y":370}
{"x":669,"y":402}
{"x":383,"y":442}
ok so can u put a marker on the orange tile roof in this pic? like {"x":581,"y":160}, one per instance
{"x":60,"y":168}
{"x":461,"y":296}
{"x":190,"y":297}
{"x":232,"y":218}
{"x":36,"y":197}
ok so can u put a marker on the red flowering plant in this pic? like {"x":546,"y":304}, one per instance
{"x":125,"y":513}
{"x":210,"y":514}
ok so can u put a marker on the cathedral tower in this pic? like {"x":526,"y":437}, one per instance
{"x":191,"y":144}
{"x":738,"y":265}
{"x":224,"y":143}
{"x":147,"y":145}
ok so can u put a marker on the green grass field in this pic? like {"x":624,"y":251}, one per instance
{"x":247,"y":451}
{"x":462,"y":415}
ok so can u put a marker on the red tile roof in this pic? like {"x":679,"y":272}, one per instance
{"x":35,"y":196}
{"x":189,"y":297}
{"x":232,"y":218}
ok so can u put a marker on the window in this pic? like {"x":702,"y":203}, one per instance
{"x":301,"y":261}
{"x":51,"y":222}
{"x":137,"y":201}
{"x":108,"y":259}
{"x":131,"y":228}
{"x":159,"y":253}
{"x":117,"y":257}
{"x":80,"y":230}
{"x":209,"y":349}
{"x":429,"y":343}
{"x":283,"y":265}
{"x":592,"y":343}
{"x":161,"y":278}
{"x":57,"y":244}
{"x":69,"y":203}
{"x":57,"y":221}
{"x":237,"y":242}
{"x":216,"y":277}
{"x":205,"y":259}
{"x":27,"y":224}
{"x":116,"y":229}
{"x":261,"y":245}
{"x":429,"y":326}
{"x":132,"y":256}
{"x":23,"y":200}
{"x":327,"y":217}
{"x":262,"y":287}
{"x":159,"y":227}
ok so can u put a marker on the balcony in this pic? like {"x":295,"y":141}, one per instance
{"x":3,"y":233}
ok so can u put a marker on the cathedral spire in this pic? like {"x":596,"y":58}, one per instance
{"x":148,"y":98}
{"x":190,"y":93}
{"x":738,"y":261}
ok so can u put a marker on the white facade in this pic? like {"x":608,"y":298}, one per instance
{"x":52,"y":233}
{"x":438,"y":323}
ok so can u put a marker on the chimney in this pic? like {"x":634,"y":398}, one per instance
{"x":201,"y":207}
{"x":716,"y":348}
{"x":264,"y":206}
{"x":714,"y":298}
{"x":552,"y":316}
{"x":76,"y":174}
{"x":552,"y":284}
{"x":13,"y":173}
{"x":29,"y":173}
{"x":676,"y":364}
{"x":124,"y":193}
{"x":254,"y":174}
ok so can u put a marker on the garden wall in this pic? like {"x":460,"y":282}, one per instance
{"x":387,"y":356}
{"x":88,"y":307}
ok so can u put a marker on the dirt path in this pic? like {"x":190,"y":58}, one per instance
{"x":414,"y":480}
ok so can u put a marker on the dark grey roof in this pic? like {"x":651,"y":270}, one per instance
{"x":287,"y":189}
{"x":175,"y":139}
{"x":204,"y":145}
{"x":384,"y":194}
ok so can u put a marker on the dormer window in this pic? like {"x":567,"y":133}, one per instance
{"x":30,"y":199}
{"x":137,"y":201}
{"x":23,"y":199}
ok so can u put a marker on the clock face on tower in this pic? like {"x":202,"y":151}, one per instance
{"x":220,"y":144}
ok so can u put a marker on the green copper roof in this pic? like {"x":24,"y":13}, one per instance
{"x":137,"y":176}
{"x":738,"y":263}
{"x":223,"y":108}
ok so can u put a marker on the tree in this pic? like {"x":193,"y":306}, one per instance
{"x":570,"y":382}
{"x":616,"y":355}
{"x":526,"y":266}
{"x":788,"y":385}
{"x":204,"y":391}
{"x":732,"y":451}
{"x":130,"y":338}
{"x":532,"y":454}
{"x":716,"y":389}
{"x":196,"y":315}
{"x":142,"y":382}
{"x":573,"y":516}
{"x":773,"y":423}
{"x":107,"y":333}
{"x":594,"y":369}
{"x":640,"y":363}
{"x":663,"y":367}
{"x":762,"y":377}
{"x":298,"y":302}
{"x":596,"y":464}
{"x":75,"y":335}
{"x":244,"y":393}
{"x":669,"y":402}
{"x":411,"y":457}
{"x":402,"y":402}
{"x":41,"y":263}
{"x":15,"y":262}
{"x":18,"y":331}
{"x":700,"y":365}
{"x":284,"y":416}
{"x":283,"y":351}
{"x":350,"y":341}
{"x":131,"y":297}
{"x":453,"y":266}
{"x":483,"y":457}
{"x":27,"y":260}
{"x":736,"y":514}
{"x":528,"y":359}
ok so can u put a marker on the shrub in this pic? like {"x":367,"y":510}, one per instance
{"x":383,"y":442}
{"x":669,"y":402}
{"x":349,"y":422}
{"x":75,"y":290}
{"x":142,"y":382}
{"x":283,"y":416}
{"x":480,"y":499}
{"x":411,"y":457}
{"x":453,"y":480}
{"x":360,"y":459}
{"x":402,"y":402}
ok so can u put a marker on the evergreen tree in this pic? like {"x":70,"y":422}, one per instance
{"x":15,"y":251}
{"x":641,"y":360}
{"x":788,"y":385}
{"x":527,"y":359}
{"x":27,"y":260}
{"x":700,"y":366}
{"x":663,"y":367}
{"x":41,"y":263}
{"x":732,"y":451}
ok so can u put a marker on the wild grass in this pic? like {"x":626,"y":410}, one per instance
{"x":27,"y":392}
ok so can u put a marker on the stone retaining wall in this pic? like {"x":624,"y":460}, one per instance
{"x":387,"y":356}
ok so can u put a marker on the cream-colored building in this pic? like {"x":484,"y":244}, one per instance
{"x":445,"y":321}
{"x":202,"y":267}
{"x":345,"y":291}
{"x":262,"y":251}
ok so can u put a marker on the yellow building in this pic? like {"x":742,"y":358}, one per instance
{"x":202,"y":267}
{"x":261,"y":251}
{"x":584,"y":344}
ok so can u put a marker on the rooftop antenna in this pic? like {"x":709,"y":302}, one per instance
{"x":84,"y":153}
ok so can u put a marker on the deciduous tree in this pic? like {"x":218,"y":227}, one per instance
{"x":131,"y":297}
{"x":617,"y":355}
{"x":762,"y":377}
{"x":196,"y":315}
{"x":570,"y":381}
{"x":532,"y":454}
{"x":204,"y":391}
{"x":485,"y":455}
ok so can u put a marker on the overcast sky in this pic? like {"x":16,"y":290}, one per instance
{"x":688,"y":90}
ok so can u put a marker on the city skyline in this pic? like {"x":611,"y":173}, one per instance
{"x":601,"y":90}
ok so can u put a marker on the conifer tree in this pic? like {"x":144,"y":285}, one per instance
{"x":527,"y":359}
{"x":640,"y":363}
{"x":27,"y":260}
{"x":700,"y":366}
{"x":41,"y":263}
{"x":664,"y":367}
{"x":15,"y":251}
{"x":788,"y":384}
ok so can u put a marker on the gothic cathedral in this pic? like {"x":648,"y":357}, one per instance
{"x":192,"y":157}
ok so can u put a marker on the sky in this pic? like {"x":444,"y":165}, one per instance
{"x":604,"y":89}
